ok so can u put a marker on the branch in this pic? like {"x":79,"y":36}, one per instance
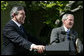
{"x":68,"y":8}
{"x":76,"y":9}
{"x":70,"y":3}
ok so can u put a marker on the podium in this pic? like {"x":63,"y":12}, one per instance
{"x":61,"y":48}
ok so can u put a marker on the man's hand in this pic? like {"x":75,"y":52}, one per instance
{"x":39,"y":48}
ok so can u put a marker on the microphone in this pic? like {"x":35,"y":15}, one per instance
{"x":63,"y":32}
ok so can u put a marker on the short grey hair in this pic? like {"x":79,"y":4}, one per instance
{"x":15,"y":10}
{"x":64,"y":17}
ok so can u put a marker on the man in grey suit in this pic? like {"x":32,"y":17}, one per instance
{"x":65,"y":32}
{"x":16,"y":41}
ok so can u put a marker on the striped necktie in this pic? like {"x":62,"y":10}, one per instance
{"x":68,"y":34}
{"x":21,"y":29}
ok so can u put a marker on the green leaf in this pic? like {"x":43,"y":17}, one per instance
{"x":50,"y":5}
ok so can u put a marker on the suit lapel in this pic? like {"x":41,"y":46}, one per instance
{"x":17,"y":28}
{"x":62,"y":34}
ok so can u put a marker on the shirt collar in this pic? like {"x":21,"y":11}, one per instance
{"x":18,"y":24}
{"x":65,"y":28}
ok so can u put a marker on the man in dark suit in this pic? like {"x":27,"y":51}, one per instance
{"x":66,"y":33}
{"x":16,"y":41}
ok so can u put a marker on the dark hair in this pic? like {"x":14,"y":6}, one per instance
{"x":15,"y":10}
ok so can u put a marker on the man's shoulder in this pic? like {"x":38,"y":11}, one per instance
{"x":9,"y":23}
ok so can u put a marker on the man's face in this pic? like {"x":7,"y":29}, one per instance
{"x":69,"y":22}
{"x":20,"y":17}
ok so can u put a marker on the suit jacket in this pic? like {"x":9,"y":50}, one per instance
{"x":14,"y":41}
{"x":59,"y":35}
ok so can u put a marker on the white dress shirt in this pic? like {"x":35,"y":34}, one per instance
{"x":18,"y":24}
{"x":65,"y":28}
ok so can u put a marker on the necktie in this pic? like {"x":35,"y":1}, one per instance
{"x":21,"y":29}
{"x":71,"y":43}
{"x":68,"y":34}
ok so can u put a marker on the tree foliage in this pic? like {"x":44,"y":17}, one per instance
{"x":4,"y":4}
{"x":50,"y":12}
